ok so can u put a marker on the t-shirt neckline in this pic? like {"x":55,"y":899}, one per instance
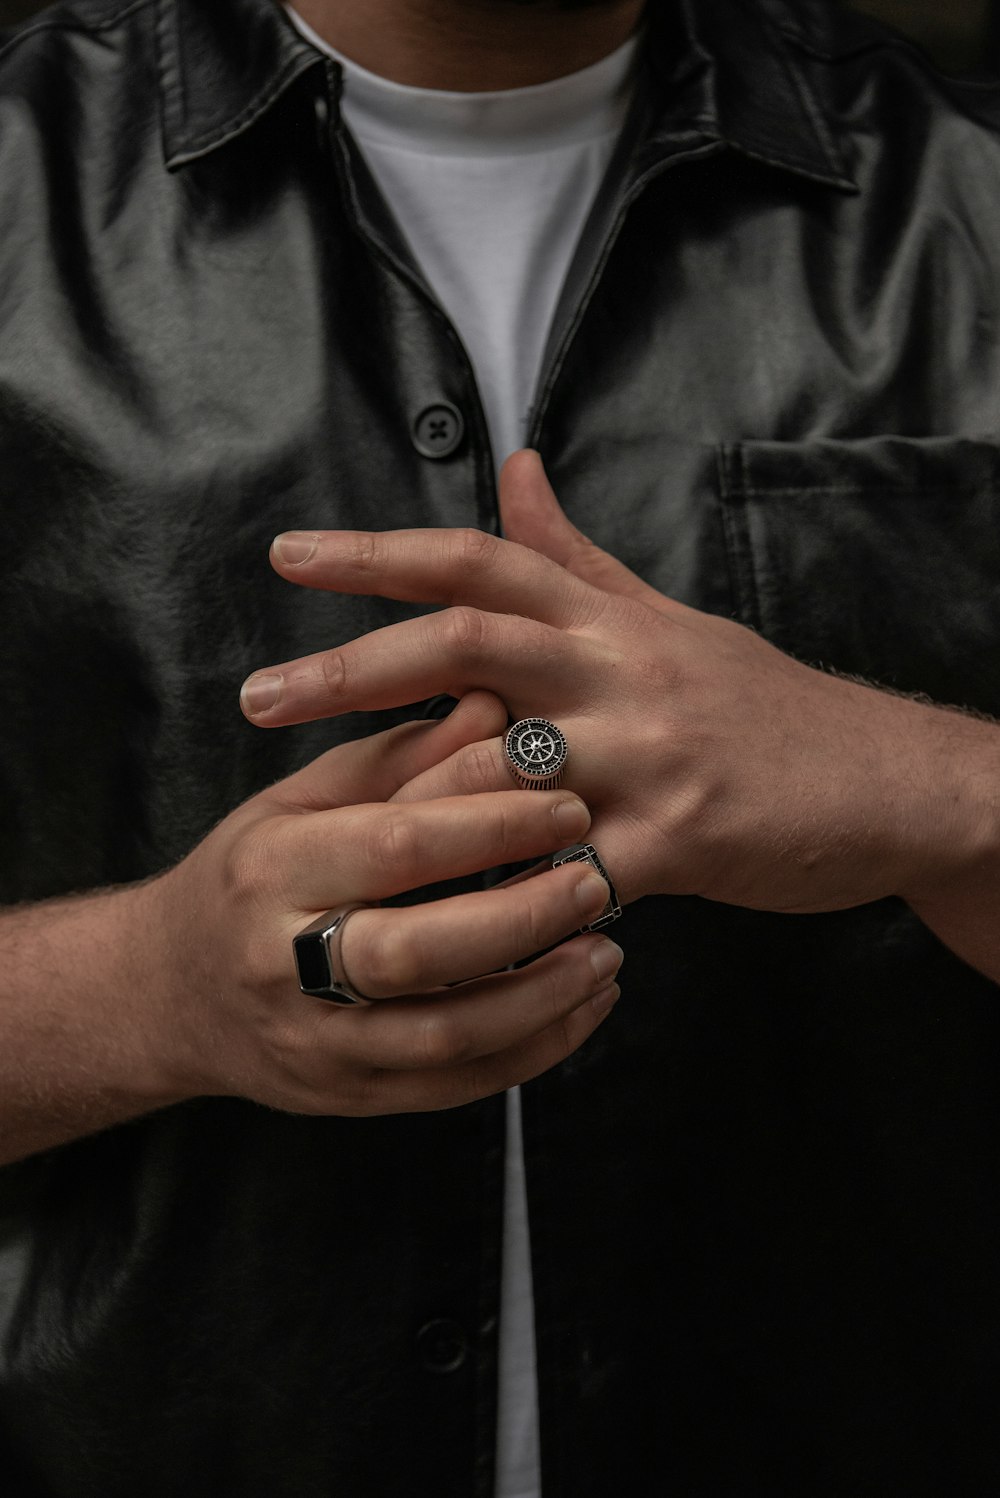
{"x":583,"y":106}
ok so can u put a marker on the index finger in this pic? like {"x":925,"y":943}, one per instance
{"x":460,"y":566}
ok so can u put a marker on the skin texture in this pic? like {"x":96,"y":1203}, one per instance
{"x":473,"y":45}
{"x":272,"y":864}
{"x":216,"y":1009}
{"x":207,"y":1003}
{"x":750,"y":778}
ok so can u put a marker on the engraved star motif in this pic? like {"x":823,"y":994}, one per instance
{"x":539,"y":747}
{"x":536,"y":750}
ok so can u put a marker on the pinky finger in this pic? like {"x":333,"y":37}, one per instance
{"x":433,"y":1090}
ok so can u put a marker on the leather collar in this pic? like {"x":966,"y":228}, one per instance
{"x":222,"y":65}
{"x":735,"y":70}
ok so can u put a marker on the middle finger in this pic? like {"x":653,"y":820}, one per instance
{"x":450,"y":652}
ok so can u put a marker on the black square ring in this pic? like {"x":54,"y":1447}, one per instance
{"x":587,"y":853}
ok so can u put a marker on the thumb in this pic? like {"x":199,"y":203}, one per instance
{"x":532,"y":516}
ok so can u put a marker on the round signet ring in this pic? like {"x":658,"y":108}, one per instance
{"x":318,"y":961}
{"x":536,"y":752}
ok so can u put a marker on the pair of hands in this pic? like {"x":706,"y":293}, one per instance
{"x":707,"y":761}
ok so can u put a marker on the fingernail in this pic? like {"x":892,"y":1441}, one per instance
{"x":606,"y":999}
{"x":606,"y":959}
{"x":592,"y":893}
{"x":293,"y":547}
{"x":572,"y":817}
{"x":259,"y":693}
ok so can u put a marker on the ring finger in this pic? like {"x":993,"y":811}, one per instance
{"x":484,"y":767}
{"x":414,"y":949}
{"x":484,"y":1018}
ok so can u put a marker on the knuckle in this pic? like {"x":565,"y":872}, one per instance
{"x":477,"y":1080}
{"x":567,"y":1036}
{"x":473,"y":548}
{"x":465,"y":630}
{"x":557,"y":989}
{"x":511,"y":821}
{"x":536,"y":919}
{"x":387,"y":959}
{"x":243,"y":873}
{"x":505,"y":826}
{"x":559,"y":992}
{"x":250,"y":871}
{"x":334,"y":669}
{"x":364,"y":551}
{"x":368,"y":1097}
{"x":394,"y":846}
{"x":438,"y":1042}
{"x":480,"y":772}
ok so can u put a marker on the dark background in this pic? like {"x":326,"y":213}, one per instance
{"x":963,"y":35}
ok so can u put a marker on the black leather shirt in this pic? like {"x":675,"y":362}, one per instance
{"x":764,"y":1197}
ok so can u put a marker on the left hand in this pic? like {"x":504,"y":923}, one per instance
{"x":713,"y":764}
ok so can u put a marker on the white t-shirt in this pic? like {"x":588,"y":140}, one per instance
{"x":491,"y":191}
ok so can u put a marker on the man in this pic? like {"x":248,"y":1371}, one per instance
{"x":748,"y":294}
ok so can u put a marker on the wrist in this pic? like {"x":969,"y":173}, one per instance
{"x":952,"y":774}
{"x":164,"y":1050}
{"x":85,"y":1039}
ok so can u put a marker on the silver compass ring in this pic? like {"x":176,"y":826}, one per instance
{"x":536,"y":752}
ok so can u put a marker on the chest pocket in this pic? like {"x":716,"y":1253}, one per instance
{"x":879,"y":557}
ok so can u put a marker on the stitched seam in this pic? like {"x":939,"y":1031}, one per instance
{"x":753,"y":589}
{"x":814,"y":115}
{"x":710,"y":148}
{"x":835,"y":177}
{"x":342,"y":167}
{"x":736,"y":535}
{"x":170,"y":78}
{"x":57,"y":24}
{"x":257,"y":105}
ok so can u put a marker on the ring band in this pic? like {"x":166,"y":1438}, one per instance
{"x":318,"y":961}
{"x":587,"y":853}
{"x":536,"y":752}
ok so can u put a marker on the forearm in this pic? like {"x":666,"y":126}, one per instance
{"x":84,"y":1035}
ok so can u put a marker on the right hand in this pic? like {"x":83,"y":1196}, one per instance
{"x":226,"y":915}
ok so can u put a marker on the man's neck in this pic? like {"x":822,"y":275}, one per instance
{"x":471,"y":46}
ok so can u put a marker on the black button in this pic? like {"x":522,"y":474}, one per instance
{"x":438,"y":430}
{"x":443,"y":1346}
